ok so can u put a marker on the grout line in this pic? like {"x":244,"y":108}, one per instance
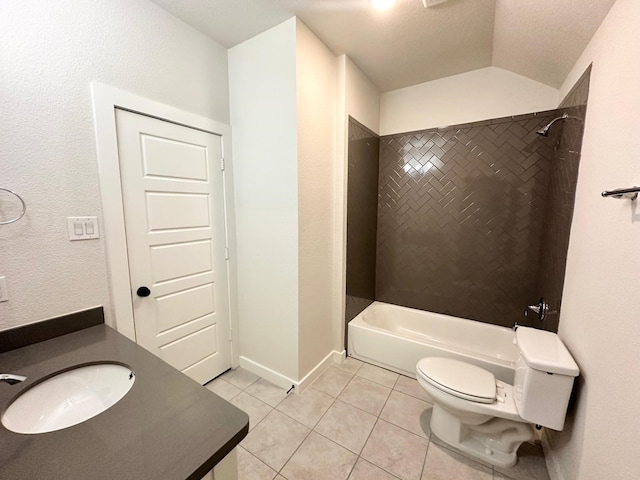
{"x":258,"y":459}
{"x":424,"y":462}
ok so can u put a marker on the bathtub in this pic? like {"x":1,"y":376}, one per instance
{"x":396,"y":338}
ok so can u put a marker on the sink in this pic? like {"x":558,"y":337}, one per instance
{"x":68,"y":398}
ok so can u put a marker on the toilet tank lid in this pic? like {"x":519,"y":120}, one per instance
{"x":545,"y":351}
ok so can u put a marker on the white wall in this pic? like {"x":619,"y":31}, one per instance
{"x":362,"y":98}
{"x":262,"y":79}
{"x":317,"y":83}
{"x":50,"y":52}
{"x":601,"y":304}
{"x":469,"y":97}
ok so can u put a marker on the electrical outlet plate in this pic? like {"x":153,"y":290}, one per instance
{"x":83,"y":228}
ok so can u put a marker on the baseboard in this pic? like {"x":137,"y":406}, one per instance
{"x":286,"y":382}
{"x":332,"y":357}
{"x":339,"y":357}
{"x":266,"y":373}
{"x":553,"y":466}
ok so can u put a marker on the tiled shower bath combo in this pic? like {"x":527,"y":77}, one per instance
{"x":471,"y":220}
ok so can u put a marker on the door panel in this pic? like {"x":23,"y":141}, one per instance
{"x":170,"y":211}
{"x":181,"y":307}
{"x":159,"y":155}
{"x":174,"y":217}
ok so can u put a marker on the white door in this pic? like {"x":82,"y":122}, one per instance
{"x":172,"y":190}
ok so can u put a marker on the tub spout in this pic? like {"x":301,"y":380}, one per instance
{"x":11,"y":379}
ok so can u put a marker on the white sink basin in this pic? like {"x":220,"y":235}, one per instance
{"x":68,"y":398}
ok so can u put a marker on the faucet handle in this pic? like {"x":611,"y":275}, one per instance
{"x":11,"y":379}
{"x":541,"y":309}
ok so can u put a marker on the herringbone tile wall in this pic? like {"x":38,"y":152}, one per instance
{"x":461,"y":215}
{"x":362,"y":201}
{"x":561,"y":198}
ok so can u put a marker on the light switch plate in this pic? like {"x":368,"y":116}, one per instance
{"x":83,"y":228}
{"x":4,"y":293}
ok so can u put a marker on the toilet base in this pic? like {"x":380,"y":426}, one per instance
{"x":488,"y":439}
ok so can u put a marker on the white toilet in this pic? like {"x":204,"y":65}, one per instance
{"x":489,"y":419}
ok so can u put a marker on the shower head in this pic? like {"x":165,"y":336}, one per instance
{"x":544,"y":131}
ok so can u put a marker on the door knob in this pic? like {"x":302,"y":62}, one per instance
{"x":143,"y":292}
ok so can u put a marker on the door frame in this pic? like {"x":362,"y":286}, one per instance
{"x":105,"y":100}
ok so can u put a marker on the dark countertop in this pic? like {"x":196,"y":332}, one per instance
{"x":167,"y":426}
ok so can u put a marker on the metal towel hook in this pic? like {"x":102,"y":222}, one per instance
{"x":24,"y":207}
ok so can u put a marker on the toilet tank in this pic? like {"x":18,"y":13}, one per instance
{"x":545,"y":371}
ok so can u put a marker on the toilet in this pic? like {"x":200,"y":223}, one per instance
{"x":489,"y":419}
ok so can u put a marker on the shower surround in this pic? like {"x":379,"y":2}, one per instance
{"x":473,"y":220}
{"x":461,"y":217}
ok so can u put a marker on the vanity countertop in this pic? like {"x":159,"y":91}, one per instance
{"x":166,"y":427}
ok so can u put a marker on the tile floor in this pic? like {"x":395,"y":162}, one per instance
{"x":357,"y":422}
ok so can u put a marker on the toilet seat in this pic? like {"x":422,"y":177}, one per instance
{"x":459,"y":379}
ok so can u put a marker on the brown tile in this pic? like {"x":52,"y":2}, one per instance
{"x":378,"y":375}
{"x":275,"y":439}
{"x":308,"y":407}
{"x":443,"y":246}
{"x":250,"y":468}
{"x":367,"y":471}
{"x":396,"y":450}
{"x":405,"y":411}
{"x":346,"y":425}
{"x":443,"y":464}
{"x":255,"y":408}
{"x":366,"y":395}
{"x":320,"y":459}
{"x":332,"y":381}
{"x":267,"y":392}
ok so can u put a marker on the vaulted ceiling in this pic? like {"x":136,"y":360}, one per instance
{"x":408,"y":44}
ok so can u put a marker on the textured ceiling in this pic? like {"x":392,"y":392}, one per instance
{"x":540,"y":39}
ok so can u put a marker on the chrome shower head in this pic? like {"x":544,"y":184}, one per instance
{"x":544,"y":131}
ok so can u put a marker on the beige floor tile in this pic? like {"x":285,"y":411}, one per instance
{"x":240,"y":378}
{"x":250,"y":468}
{"x":223,"y":388}
{"x":256,"y":409}
{"x":396,"y":450}
{"x":347,"y":425}
{"x":410,"y":386}
{"x":500,"y":476}
{"x":267,"y":392}
{"x":443,"y":464}
{"x":308,"y":407}
{"x":378,"y":375}
{"x":275,"y":439}
{"x":404,"y":411}
{"x":530,"y":466}
{"x":280,"y":477}
{"x":367,"y":471}
{"x":350,"y":365}
{"x":332,"y":381}
{"x":319,"y":459}
{"x":365,"y":394}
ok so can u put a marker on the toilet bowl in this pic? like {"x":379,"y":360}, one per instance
{"x":489,"y":419}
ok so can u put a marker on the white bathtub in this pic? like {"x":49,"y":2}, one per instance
{"x":396,"y":338}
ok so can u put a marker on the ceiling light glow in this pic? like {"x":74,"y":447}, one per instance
{"x":382,"y":4}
